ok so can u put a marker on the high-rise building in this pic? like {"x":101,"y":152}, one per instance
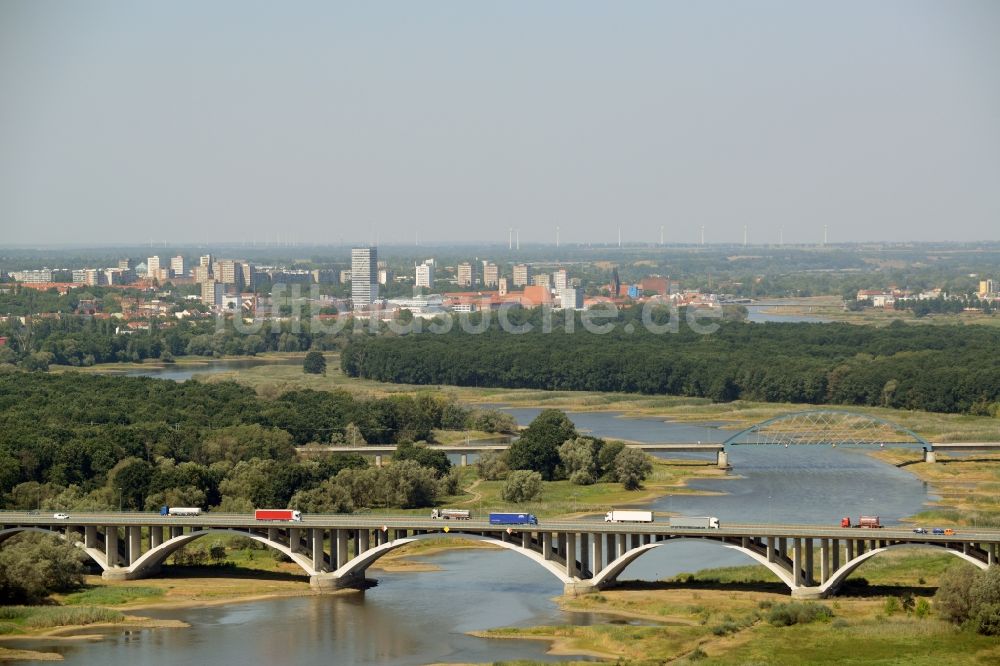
{"x":384,"y":273}
{"x":230,"y":272}
{"x":205,"y":260}
{"x":153,"y":267}
{"x":211,"y":293}
{"x":126,"y":264}
{"x":425,"y":274}
{"x":177,"y":266}
{"x":570,"y":298}
{"x":522,"y":275}
{"x":988,"y":287}
{"x":502,"y":286}
{"x":202,"y":274}
{"x":467,"y":275}
{"x":364,"y":277}
{"x":559,"y":281}
{"x":248,"y":275}
{"x":542,"y":280}
{"x":491,"y":274}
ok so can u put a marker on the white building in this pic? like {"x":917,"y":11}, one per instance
{"x":467,"y":275}
{"x":425,"y":274}
{"x":177,"y":266}
{"x":153,"y":267}
{"x":364,"y":277}
{"x":570,"y":298}
{"x":559,"y":280}
{"x":491,"y":274}
{"x":522,"y":275}
{"x":211,"y":293}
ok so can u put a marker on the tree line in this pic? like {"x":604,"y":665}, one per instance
{"x":76,"y":442}
{"x":932,"y":368}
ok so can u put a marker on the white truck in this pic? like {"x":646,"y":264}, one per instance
{"x":449,"y":514}
{"x":698,"y":522}
{"x":180,"y":511}
{"x":614,"y":516}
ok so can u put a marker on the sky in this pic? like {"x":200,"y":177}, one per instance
{"x":454,"y":121}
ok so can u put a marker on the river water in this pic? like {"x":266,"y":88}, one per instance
{"x":183,"y":371}
{"x":421,"y":617}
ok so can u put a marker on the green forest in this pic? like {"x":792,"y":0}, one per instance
{"x":939,"y":368}
{"x":85,"y":442}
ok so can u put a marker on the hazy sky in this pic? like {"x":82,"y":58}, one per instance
{"x":125,"y":121}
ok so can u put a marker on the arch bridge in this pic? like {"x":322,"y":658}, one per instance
{"x":336,"y":551}
{"x":830,"y":427}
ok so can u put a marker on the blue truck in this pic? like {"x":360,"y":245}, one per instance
{"x":512,"y":519}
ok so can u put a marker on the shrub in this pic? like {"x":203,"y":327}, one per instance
{"x":891,"y":606}
{"x":492,"y":466}
{"x":632,"y":466}
{"x":314,"y":363}
{"x":785,"y":615}
{"x":521,"y":486}
{"x":697,"y":655}
{"x":953,"y":598}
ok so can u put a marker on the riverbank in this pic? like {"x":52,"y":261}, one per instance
{"x":736,"y":615}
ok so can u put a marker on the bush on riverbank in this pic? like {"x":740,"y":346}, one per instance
{"x":42,"y":617}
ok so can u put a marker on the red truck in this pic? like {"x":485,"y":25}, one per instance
{"x":277,"y":514}
{"x":870,"y":522}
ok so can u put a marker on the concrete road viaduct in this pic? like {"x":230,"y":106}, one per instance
{"x":336,"y":550}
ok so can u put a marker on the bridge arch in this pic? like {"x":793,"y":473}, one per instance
{"x":94,"y":554}
{"x":358,"y":565}
{"x":826,"y":426}
{"x":155,"y":556}
{"x":840,"y":575}
{"x":610,"y":573}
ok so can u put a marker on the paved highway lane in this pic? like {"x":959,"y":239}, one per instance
{"x":377,"y":521}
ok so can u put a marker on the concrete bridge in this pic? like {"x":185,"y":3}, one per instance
{"x":464,"y":450}
{"x":814,"y":427}
{"x":335,"y":551}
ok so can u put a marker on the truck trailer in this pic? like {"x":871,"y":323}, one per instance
{"x":614,"y":516}
{"x":278,"y":514}
{"x":699,"y":522}
{"x":449,"y":514}
{"x":180,"y":511}
{"x":513,"y":519}
{"x":869,"y":522}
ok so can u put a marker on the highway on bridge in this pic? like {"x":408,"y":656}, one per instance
{"x":418,"y":522}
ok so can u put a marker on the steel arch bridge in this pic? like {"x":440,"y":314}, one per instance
{"x":830,"y":427}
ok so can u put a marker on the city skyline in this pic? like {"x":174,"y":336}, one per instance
{"x":568,"y":123}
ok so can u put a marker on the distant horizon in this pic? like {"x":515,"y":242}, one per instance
{"x":152,"y":250}
{"x":453,"y":122}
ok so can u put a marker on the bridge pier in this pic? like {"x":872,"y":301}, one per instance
{"x":808,"y":593}
{"x":930,"y":456}
{"x":722,"y":459}
{"x":327,"y":582}
{"x":464,"y":460}
{"x":579,"y":587}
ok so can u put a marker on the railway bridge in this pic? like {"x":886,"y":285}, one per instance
{"x":335,"y":551}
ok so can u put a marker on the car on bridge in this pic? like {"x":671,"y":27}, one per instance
{"x":60,"y":516}
{"x":947,"y":531}
{"x":919,"y":530}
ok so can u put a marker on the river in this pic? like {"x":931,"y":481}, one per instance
{"x":180,"y":372}
{"x":421,"y":617}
